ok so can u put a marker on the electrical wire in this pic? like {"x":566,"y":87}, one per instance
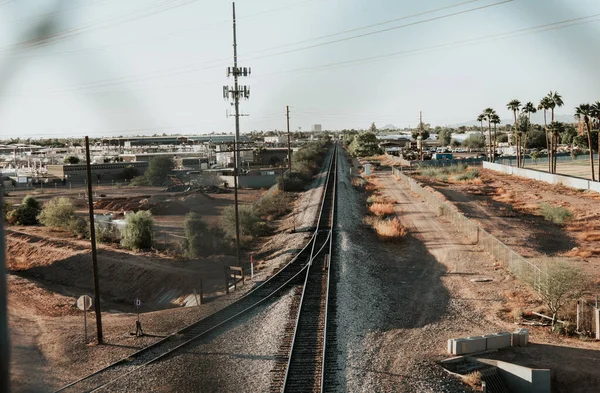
{"x":378,"y":31}
{"x":472,"y":41}
{"x":190,"y":68}
{"x":138,"y":13}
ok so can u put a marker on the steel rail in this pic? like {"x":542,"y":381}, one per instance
{"x":329,"y":239}
{"x":166,"y":340}
{"x":327,"y":291}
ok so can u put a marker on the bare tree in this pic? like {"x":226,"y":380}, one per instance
{"x":558,"y":284}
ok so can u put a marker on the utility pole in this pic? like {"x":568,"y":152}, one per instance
{"x":421,"y":135}
{"x":287,"y":115}
{"x":97,"y":307}
{"x":236,"y":93}
{"x":4,"y":344}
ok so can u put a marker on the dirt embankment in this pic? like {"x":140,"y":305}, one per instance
{"x":64,"y":266}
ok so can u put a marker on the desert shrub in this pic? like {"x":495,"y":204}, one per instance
{"x":26,"y":213}
{"x":273,"y":205}
{"x":107,"y":233}
{"x":79,"y":226}
{"x":140,"y":181}
{"x":469,"y":175}
{"x":137,"y":234}
{"x":57,"y":212}
{"x":382,"y":209}
{"x":558,"y":284}
{"x":358,"y":182}
{"x":295,"y":181}
{"x":555,"y":214}
{"x":250,"y":224}
{"x":389,"y":230}
{"x":200,"y":240}
{"x":71,"y":160}
{"x":473,"y":379}
{"x":129,"y":172}
{"x":6,"y":209}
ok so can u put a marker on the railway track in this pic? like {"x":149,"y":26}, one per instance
{"x":287,"y":275}
{"x":304,"y":367}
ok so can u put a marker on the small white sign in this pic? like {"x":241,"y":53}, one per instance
{"x":138,"y":302}
{"x":84,"y":303}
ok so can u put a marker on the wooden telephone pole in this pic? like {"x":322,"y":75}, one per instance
{"x":97,"y":307}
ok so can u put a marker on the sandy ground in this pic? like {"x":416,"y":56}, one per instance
{"x":48,"y":349}
{"x":508,"y":207}
{"x":399,"y":303}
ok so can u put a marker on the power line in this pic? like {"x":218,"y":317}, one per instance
{"x":479,"y":40}
{"x":145,"y":11}
{"x":151,"y":40}
{"x":364,"y":27}
{"x":382,"y":30}
{"x":186,"y":69}
{"x":473,"y":41}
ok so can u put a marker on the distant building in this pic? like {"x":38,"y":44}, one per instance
{"x":100,"y":172}
{"x":224,"y":155}
{"x":317,"y":128}
{"x":278,"y":139}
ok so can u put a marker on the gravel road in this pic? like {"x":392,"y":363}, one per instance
{"x":395,"y":306}
{"x":237,"y":358}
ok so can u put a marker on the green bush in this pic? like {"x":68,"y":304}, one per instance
{"x":469,"y":175}
{"x":79,"y":226}
{"x":6,"y":209}
{"x":71,"y":160}
{"x":107,"y":233}
{"x":140,"y":181}
{"x":273,"y":205}
{"x":555,"y":214}
{"x":200,"y":240}
{"x":57,"y":212}
{"x":250,"y":224}
{"x":26,"y":213}
{"x":138,"y":231}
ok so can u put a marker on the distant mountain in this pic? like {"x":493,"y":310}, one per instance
{"x":389,"y":127}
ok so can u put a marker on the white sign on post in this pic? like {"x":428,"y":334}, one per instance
{"x":84,"y":303}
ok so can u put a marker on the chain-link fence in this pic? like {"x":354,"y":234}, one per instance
{"x":586,"y":317}
{"x":519,"y":266}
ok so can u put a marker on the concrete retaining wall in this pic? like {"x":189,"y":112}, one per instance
{"x":522,"y":379}
{"x":265,"y":181}
{"x":569,"y":181}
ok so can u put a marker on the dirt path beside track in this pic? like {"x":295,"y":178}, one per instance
{"x":399,"y":303}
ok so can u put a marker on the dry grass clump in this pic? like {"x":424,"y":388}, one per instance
{"x":373,"y":184}
{"x":378,"y":198}
{"x":555,"y":214}
{"x":389,"y":230}
{"x":504,"y":196}
{"x":473,"y":379}
{"x":358,"y":182}
{"x":382,"y":209}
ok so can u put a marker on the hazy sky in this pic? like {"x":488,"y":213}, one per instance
{"x":123,"y":67}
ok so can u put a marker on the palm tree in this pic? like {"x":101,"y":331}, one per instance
{"x":514,"y":106}
{"x":488,"y":114}
{"x":555,"y":100}
{"x":480,"y":119}
{"x":544,"y":105}
{"x":596,"y":115}
{"x":528,"y":109}
{"x":583,"y":113}
{"x":495,"y":121}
